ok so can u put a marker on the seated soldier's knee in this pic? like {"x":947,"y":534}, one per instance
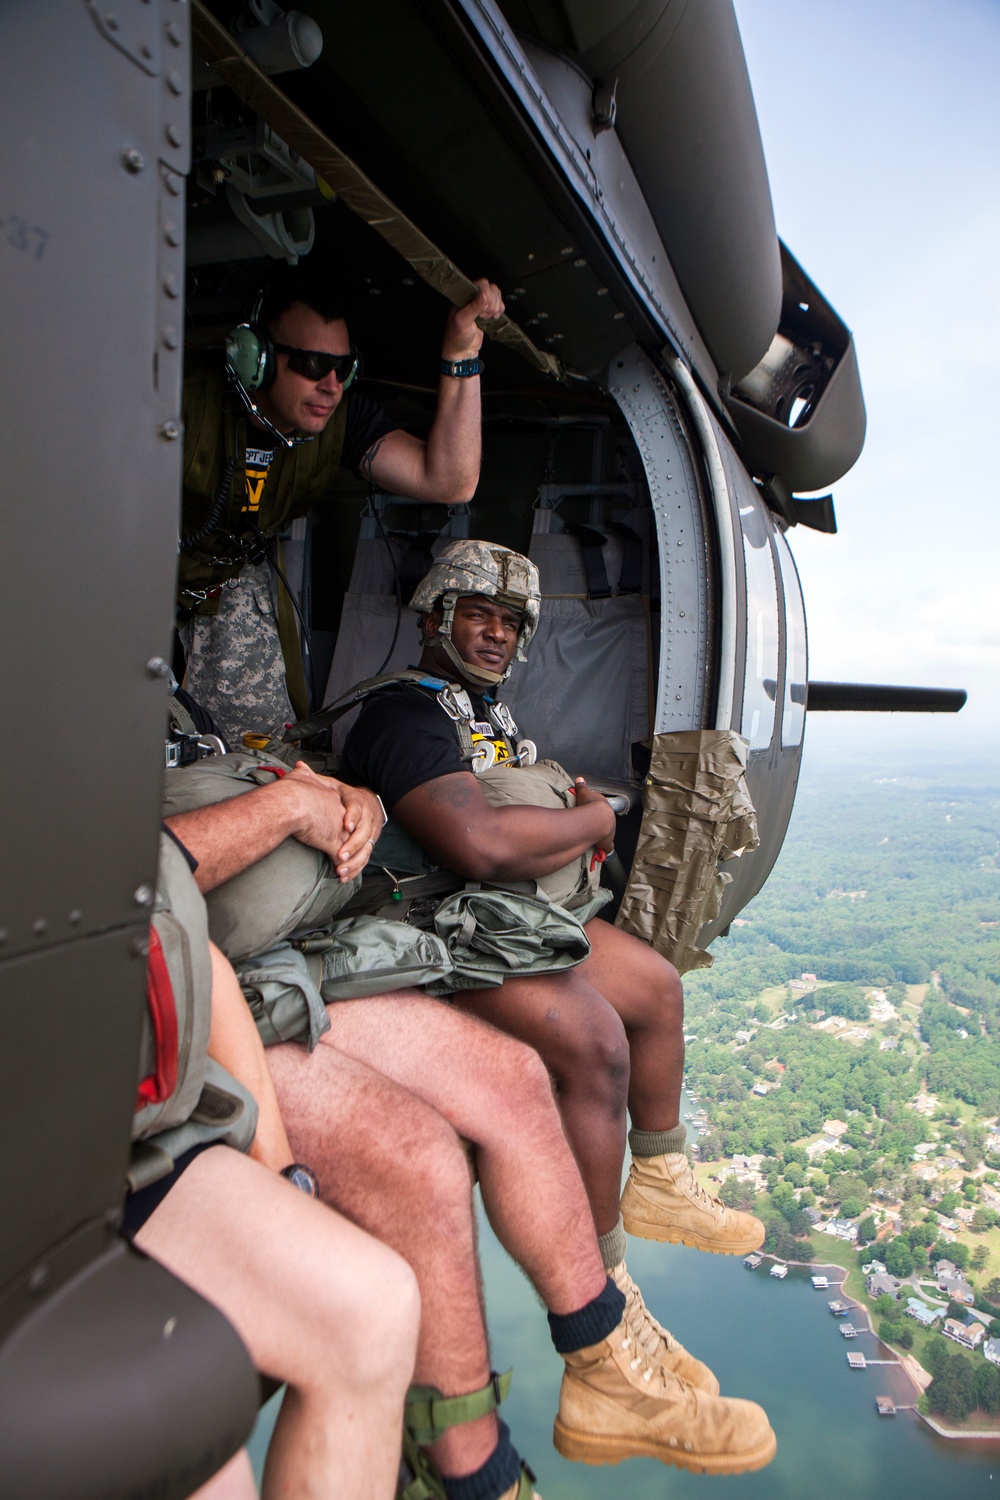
{"x":446,"y":1174}
{"x":375,"y":1349}
{"x":596,"y":1055}
{"x":395,"y":1322}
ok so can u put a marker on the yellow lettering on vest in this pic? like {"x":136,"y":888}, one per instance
{"x":255,"y":488}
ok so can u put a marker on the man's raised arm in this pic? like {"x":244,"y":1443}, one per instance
{"x":451,"y":819}
{"x":445,"y":468}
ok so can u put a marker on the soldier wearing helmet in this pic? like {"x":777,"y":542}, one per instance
{"x":609,"y":1030}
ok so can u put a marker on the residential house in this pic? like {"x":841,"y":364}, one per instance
{"x":925,"y":1104}
{"x":921,"y":1312}
{"x":888,"y":1044}
{"x":965,"y":1214}
{"x":956,"y":1290}
{"x":969,"y":1335}
{"x":835,"y":1127}
{"x":880,"y":1283}
{"x":991,"y":1349}
{"x":841,"y":1229}
{"x":822,"y":1146}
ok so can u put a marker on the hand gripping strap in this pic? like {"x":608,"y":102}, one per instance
{"x":429,"y":1414}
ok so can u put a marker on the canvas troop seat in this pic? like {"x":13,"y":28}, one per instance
{"x":371,"y":605}
{"x":583,"y":694}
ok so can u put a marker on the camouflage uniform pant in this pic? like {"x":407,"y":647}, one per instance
{"x":235,"y":667}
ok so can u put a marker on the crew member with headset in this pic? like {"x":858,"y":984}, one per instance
{"x":265,"y":434}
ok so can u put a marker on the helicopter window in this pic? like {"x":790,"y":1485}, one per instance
{"x":793,"y":714}
{"x":761,"y":682}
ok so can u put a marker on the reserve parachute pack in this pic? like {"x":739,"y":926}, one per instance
{"x":299,"y":940}
{"x":293,"y":889}
{"x":183,"y":1098}
{"x":509,"y":773}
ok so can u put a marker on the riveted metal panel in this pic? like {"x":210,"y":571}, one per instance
{"x":685,"y":564}
{"x":71,"y":1019}
{"x":91,"y":246}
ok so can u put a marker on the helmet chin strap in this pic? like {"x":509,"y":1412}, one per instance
{"x":478,"y":675}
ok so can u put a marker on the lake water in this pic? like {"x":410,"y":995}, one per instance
{"x":773,"y":1341}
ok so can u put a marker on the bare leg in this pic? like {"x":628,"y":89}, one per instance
{"x":647,"y":994}
{"x":584,"y":1045}
{"x":397,"y":1168}
{"x":497,"y":1094}
{"x":318,"y":1304}
{"x":610,"y":1031}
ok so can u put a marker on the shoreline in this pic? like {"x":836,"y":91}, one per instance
{"x":908,"y":1363}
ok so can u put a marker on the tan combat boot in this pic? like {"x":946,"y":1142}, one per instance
{"x":616,"y":1404}
{"x":656,"y":1342}
{"x":662,"y":1201}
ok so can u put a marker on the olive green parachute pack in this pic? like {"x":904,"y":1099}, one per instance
{"x":293,"y":889}
{"x":299,"y":939}
{"x":183,"y":1097}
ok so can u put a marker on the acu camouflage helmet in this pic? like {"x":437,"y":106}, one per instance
{"x":471,"y":567}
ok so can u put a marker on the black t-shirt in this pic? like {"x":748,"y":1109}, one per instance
{"x":366,"y":423}
{"x":402,"y":739}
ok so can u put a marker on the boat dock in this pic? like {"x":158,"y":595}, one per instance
{"x":839,"y":1309}
{"x":752,"y":1261}
{"x":780,"y":1270}
{"x":848,"y":1331}
{"x":821,"y":1283}
{"x":857,"y":1361}
{"x":885,"y":1406}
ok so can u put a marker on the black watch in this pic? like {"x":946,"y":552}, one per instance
{"x":462,"y":368}
{"x":302,"y":1178}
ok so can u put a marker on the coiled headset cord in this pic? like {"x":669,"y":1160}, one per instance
{"x":194,"y":538}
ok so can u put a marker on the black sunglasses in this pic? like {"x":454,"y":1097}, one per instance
{"x":314,"y":364}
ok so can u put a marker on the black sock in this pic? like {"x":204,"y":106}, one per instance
{"x":497,"y":1474}
{"x":590,"y":1324}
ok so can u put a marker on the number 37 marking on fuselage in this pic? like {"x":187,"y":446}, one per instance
{"x":21,"y":235}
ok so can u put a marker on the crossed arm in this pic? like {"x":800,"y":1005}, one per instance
{"x":451,"y":819}
{"x":327,"y":814}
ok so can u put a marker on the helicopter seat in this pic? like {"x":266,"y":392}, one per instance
{"x":377,"y":631}
{"x":583,"y":693}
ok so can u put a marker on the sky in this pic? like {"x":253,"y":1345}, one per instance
{"x":881,"y":129}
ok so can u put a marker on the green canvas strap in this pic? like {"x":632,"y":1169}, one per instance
{"x":419,"y":1478}
{"x":303,"y":729}
{"x":429,"y":1414}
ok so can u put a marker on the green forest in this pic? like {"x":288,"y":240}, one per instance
{"x":885,"y":880}
{"x":843,"y":1048}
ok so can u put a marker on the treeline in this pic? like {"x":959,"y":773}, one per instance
{"x":878,"y":885}
{"x":822,"y":1078}
{"x":959,"y":1385}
